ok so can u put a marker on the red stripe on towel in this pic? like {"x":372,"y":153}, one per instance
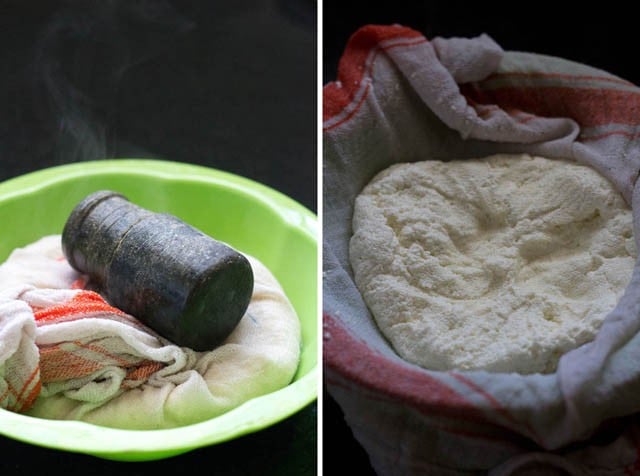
{"x":588,"y":107}
{"x":496,"y":404}
{"x":617,"y":132}
{"x":548,"y":75}
{"x":353,"y":67}
{"x":357,"y":362}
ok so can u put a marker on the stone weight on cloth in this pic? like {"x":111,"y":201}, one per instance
{"x":65,"y":353}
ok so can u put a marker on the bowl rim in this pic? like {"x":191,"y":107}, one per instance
{"x":168,"y":170}
{"x":138,"y":445}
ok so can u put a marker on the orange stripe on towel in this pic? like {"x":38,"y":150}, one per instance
{"x":142,"y":373}
{"x":30,"y":398}
{"x":84,"y":302}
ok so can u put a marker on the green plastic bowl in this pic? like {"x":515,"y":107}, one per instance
{"x":251,"y":217}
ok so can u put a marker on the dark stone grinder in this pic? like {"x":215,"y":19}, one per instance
{"x":185,"y":285}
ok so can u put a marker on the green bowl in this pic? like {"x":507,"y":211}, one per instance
{"x":251,"y":217}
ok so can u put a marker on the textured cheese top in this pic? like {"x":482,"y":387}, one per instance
{"x":503,"y":263}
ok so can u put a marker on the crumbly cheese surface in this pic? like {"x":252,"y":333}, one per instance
{"x":503,"y":263}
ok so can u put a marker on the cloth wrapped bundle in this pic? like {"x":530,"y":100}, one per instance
{"x":402,"y":98}
{"x":67,"y":354}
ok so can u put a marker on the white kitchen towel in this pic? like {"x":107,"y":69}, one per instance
{"x":400,"y":97}
{"x":65,"y":353}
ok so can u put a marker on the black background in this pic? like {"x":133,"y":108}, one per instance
{"x":604,"y":37}
{"x":230,"y":84}
{"x":225,"y":84}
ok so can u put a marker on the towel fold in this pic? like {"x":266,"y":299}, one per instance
{"x":83,"y":347}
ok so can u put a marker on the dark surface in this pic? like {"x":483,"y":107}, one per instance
{"x":229,"y":85}
{"x":285,"y":449}
{"x":602,"y":37}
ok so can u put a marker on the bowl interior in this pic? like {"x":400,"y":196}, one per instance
{"x":249,"y":216}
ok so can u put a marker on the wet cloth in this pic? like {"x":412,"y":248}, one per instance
{"x":65,"y":353}
{"x":400,"y":97}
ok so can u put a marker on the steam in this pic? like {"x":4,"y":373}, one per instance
{"x":81,"y":59}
